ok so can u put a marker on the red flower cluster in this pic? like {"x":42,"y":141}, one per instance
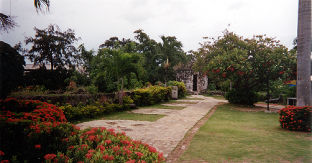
{"x":13,"y":110}
{"x":113,"y":146}
{"x":296,"y":118}
{"x":49,"y":156}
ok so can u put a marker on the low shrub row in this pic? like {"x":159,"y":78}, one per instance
{"x":296,"y":118}
{"x":74,"y":113}
{"x":181,"y":88}
{"x":34,"y":131}
{"x":151,"y":95}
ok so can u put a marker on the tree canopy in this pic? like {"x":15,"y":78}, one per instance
{"x":248,"y":63}
{"x":51,"y":45}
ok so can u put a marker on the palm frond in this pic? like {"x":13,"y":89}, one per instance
{"x":39,"y":4}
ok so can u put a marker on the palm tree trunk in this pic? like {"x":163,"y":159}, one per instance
{"x":304,"y":96}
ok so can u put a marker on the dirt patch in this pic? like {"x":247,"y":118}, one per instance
{"x":185,"y":142}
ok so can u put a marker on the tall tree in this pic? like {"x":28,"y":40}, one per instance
{"x":171,"y":55}
{"x":53,"y":46}
{"x":304,"y":94}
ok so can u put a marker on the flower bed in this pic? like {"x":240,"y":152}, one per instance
{"x":35,"y":131}
{"x":296,"y":118}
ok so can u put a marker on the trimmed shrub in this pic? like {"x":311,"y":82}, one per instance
{"x":296,"y":118}
{"x":181,"y":88}
{"x":74,"y":113}
{"x":151,"y":95}
{"x":244,"y":97}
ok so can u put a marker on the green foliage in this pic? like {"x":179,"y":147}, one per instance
{"x":247,"y":63}
{"x":160,"y":57}
{"x":242,"y":96}
{"x":92,"y":89}
{"x":81,"y":79}
{"x":109,"y":68}
{"x":127,"y":100}
{"x":11,"y":69}
{"x":151,"y":95}
{"x":296,"y":118}
{"x":181,"y":88}
{"x":75,"y":113}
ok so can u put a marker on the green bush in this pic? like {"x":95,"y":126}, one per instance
{"x":75,"y":113}
{"x":296,"y":118}
{"x":127,"y":100}
{"x":244,"y":97}
{"x":181,"y":88}
{"x":151,"y":95}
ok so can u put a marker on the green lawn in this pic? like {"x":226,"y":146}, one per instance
{"x":132,"y":116}
{"x":159,"y":106}
{"x":215,"y":96}
{"x":124,"y":116}
{"x":191,"y":98}
{"x":180,"y":102}
{"x":236,"y":136}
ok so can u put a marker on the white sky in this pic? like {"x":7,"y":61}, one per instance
{"x":189,"y":20}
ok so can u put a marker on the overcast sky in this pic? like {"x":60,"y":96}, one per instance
{"x":189,"y":20}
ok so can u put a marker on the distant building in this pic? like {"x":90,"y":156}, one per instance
{"x":30,"y":67}
{"x":195,"y":82}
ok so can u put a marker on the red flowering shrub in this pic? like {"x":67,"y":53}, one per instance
{"x":101,"y":144}
{"x":296,"y":118}
{"x":12,"y":110}
{"x":43,"y":135}
{"x":31,"y":128}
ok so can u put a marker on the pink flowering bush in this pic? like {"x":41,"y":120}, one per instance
{"x":35,"y":131}
{"x":296,"y":118}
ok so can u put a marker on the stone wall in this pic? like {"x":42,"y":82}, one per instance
{"x":187,"y":77}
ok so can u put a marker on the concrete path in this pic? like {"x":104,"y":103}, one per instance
{"x":165,"y":133}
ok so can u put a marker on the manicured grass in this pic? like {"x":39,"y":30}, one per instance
{"x":235,"y":136}
{"x":124,"y":116}
{"x":159,"y":106}
{"x":180,"y":102}
{"x":191,"y":98}
{"x":132,"y":116}
{"x":215,"y":96}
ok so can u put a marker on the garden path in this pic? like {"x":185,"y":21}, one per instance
{"x":165,"y":133}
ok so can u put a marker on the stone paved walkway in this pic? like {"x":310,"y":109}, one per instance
{"x":165,"y":133}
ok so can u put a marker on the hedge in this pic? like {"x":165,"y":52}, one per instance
{"x":151,"y":95}
{"x":296,"y":118}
